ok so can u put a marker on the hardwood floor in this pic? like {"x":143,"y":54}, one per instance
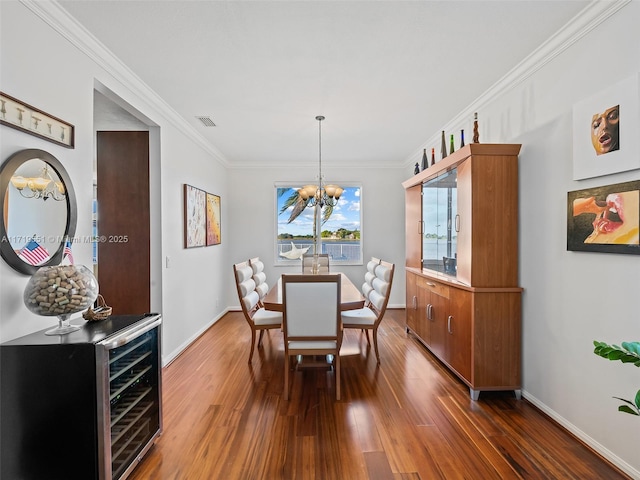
{"x":407,"y":418}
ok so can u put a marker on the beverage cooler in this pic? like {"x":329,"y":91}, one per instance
{"x":81,"y":406}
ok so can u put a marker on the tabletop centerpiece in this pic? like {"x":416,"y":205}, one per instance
{"x":61,"y":291}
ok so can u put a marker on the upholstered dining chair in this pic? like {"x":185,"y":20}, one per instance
{"x":256,"y":316}
{"x":320,"y":261}
{"x":311,"y":320}
{"x":376,"y":289}
{"x":259,"y":277}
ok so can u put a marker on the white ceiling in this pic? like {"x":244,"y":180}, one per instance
{"x":386,"y":75}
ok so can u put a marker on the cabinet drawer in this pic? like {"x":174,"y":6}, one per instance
{"x":435,"y":287}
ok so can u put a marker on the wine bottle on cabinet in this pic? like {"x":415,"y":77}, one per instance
{"x":476,"y":136}
{"x":461,"y":138}
{"x":451,"y":147}
{"x":433,"y":156}
{"x":443,"y":146}
{"x":425,"y":161}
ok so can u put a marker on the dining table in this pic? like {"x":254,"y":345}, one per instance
{"x":351,"y":297}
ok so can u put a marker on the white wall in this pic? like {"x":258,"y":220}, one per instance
{"x":253,"y":226}
{"x":572,"y":298}
{"x":46,"y":70}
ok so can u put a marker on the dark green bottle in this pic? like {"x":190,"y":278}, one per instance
{"x":425,"y":161}
{"x":451,"y":148}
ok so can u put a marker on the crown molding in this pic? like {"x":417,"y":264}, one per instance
{"x":57,"y":18}
{"x":589,"y":18}
{"x":584,"y":22}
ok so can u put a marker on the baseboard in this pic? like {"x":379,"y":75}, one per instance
{"x":167,"y":359}
{"x":598,"y":448}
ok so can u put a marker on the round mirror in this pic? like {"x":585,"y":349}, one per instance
{"x":38,"y":210}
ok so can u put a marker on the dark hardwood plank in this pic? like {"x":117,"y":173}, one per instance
{"x":407,"y":418}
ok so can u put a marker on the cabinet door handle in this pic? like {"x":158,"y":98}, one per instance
{"x":415,"y":302}
{"x":420,"y":226}
{"x":449,"y":324}
{"x":429,"y":284}
{"x":429,"y":311}
{"x":457,"y":223}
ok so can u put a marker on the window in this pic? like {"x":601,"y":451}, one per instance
{"x":338,"y":228}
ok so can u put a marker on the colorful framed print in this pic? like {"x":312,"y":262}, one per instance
{"x":19,"y":115}
{"x":213,"y":219}
{"x":605,"y":131}
{"x":194,"y":217}
{"x":605,"y":219}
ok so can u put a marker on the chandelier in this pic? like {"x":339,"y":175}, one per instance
{"x":43,"y":187}
{"x":320,"y":194}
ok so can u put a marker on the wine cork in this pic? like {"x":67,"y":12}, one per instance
{"x":60,"y":290}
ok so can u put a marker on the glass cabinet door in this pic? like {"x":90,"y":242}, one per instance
{"x":439,"y":235}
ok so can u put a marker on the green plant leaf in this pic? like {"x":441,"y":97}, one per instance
{"x":616,"y":355}
{"x":626,"y":353}
{"x":627,"y":358}
{"x":625,"y":401}
{"x":633,"y":347}
{"x":625,"y":409}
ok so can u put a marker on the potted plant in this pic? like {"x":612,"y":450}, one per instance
{"x":628,"y":353}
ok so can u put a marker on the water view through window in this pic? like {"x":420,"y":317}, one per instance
{"x":338,"y":228}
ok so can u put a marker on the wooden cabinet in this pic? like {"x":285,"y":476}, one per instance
{"x":470,"y":317}
{"x":412,"y":303}
{"x":433,"y":297}
{"x":85,"y":405}
{"x":459,"y":332}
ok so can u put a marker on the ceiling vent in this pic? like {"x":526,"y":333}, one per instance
{"x":206,"y":121}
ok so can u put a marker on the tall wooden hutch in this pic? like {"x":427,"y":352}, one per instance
{"x":463,"y":299}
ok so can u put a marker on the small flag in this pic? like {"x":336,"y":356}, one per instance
{"x":34,"y":254}
{"x":67,"y":252}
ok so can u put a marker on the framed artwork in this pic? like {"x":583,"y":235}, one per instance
{"x":19,"y":115}
{"x":605,"y":219}
{"x":605,"y":131}
{"x":194,"y":217}
{"x":213,"y":219}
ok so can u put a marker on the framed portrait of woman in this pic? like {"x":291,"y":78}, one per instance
{"x":605,"y":126}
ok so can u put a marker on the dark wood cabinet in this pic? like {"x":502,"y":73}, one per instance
{"x":469,"y":315}
{"x":86,"y":405}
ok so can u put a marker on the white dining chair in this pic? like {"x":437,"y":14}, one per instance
{"x":315,"y":263}
{"x":259,"y":277}
{"x":258,"y":318}
{"x":311,"y":320}
{"x":376,"y":289}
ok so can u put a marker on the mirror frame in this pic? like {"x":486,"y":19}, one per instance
{"x":6,"y":171}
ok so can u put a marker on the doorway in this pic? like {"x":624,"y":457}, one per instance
{"x":120,"y":190}
{"x":123,"y":220}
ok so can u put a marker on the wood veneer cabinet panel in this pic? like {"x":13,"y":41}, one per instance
{"x":411,"y":302}
{"x":496,"y":341}
{"x":459,"y":331}
{"x":413,"y":226}
{"x":437,"y":300}
{"x":488,"y":218}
